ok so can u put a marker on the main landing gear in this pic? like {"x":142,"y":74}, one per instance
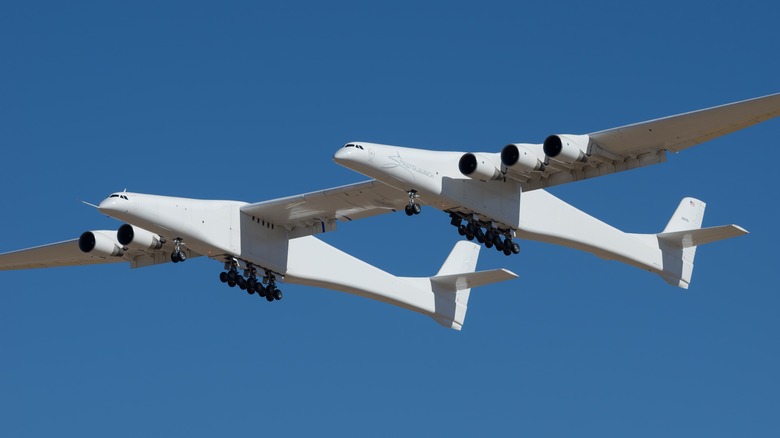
{"x":178,"y":255}
{"x":265,"y":286}
{"x":492,"y":236}
{"x":413,"y":207}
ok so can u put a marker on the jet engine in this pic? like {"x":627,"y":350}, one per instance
{"x":521,"y":158}
{"x":567,"y":148}
{"x":138,"y":238}
{"x":100,"y":244}
{"x":479,"y":166}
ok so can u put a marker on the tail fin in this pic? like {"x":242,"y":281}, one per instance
{"x":452,"y":285}
{"x":682,"y":235}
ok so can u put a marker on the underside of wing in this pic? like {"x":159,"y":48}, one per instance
{"x":65,"y":253}
{"x":570,"y":158}
{"x":318,"y":212}
{"x":68,"y":253}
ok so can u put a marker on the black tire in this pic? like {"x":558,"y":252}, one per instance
{"x":277,"y":294}
{"x":416,"y":209}
{"x":490,"y":236}
{"x":408,"y":210}
{"x":250,"y":290}
{"x":182,"y":256}
{"x":499,"y":245}
{"x":251,"y":282}
{"x":232,"y":275}
{"x":223,"y":277}
{"x":480,"y":235}
{"x":462,"y":230}
{"x":261,"y":291}
{"x":469,"y":236}
{"x":269,"y":297}
{"x":241,"y":283}
{"x":231,"y":283}
{"x":488,"y":243}
{"x":470,"y":228}
{"x":174,"y":257}
{"x":507,"y":251}
{"x":515,"y":248}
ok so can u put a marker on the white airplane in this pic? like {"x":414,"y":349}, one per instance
{"x":268,"y":241}
{"x":495,"y":197}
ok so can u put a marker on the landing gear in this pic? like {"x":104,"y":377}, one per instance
{"x":413,"y":207}
{"x":178,"y":255}
{"x":265,"y":286}
{"x":492,"y":236}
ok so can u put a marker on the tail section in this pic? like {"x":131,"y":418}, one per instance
{"x":453,"y":283}
{"x":682,"y":235}
{"x":670,"y":254}
{"x":444,"y":297}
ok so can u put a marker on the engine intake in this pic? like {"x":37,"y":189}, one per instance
{"x":567,"y":148}
{"x":97,"y":243}
{"x":520,"y":157}
{"x":479,"y":166}
{"x":138,"y":238}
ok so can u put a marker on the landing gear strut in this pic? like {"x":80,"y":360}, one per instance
{"x":413,"y":207}
{"x":491,"y":237}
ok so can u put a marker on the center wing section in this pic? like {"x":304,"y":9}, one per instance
{"x":318,"y":212}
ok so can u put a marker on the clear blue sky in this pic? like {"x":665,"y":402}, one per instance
{"x":249,"y":101}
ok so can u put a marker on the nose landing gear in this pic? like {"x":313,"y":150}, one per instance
{"x":413,"y":207}
{"x":178,"y":255}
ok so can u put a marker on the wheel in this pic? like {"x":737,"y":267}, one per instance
{"x":470,"y":228}
{"x":174,"y":257}
{"x":499,"y":245}
{"x":416,"y":209}
{"x":223,"y":277}
{"x":470,"y":236}
{"x":250,"y":290}
{"x":232,"y":275}
{"x":515,"y":248}
{"x":269,"y":297}
{"x":507,"y":251}
{"x":489,"y":236}
{"x":488,"y":243}
{"x":408,"y":210}
{"x":251,"y":282}
{"x":462,"y":230}
{"x":277,"y":294}
{"x":260,"y":290}
{"x":182,"y":256}
{"x":231,"y":283}
{"x":480,"y":235}
{"x":241,"y":283}
{"x":496,"y":239}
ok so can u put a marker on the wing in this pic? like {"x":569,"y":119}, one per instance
{"x":641,"y":144}
{"x":67,"y":253}
{"x":317,"y":212}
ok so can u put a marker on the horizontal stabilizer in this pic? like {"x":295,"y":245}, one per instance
{"x":691,"y":238}
{"x":473,"y":279}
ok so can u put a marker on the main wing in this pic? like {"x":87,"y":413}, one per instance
{"x":67,"y":253}
{"x":641,"y":144}
{"x":318,"y":212}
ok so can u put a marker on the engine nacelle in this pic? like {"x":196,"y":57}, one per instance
{"x":99,"y":244}
{"x":479,"y":166}
{"x":567,"y":148}
{"x":521,"y":158}
{"x":138,"y":238}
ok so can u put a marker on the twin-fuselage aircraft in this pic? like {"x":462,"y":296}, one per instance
{"x":493,"y":198}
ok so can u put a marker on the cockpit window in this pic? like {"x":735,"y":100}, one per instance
{"x":351,"y":145}
{"x":115,"y":195}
